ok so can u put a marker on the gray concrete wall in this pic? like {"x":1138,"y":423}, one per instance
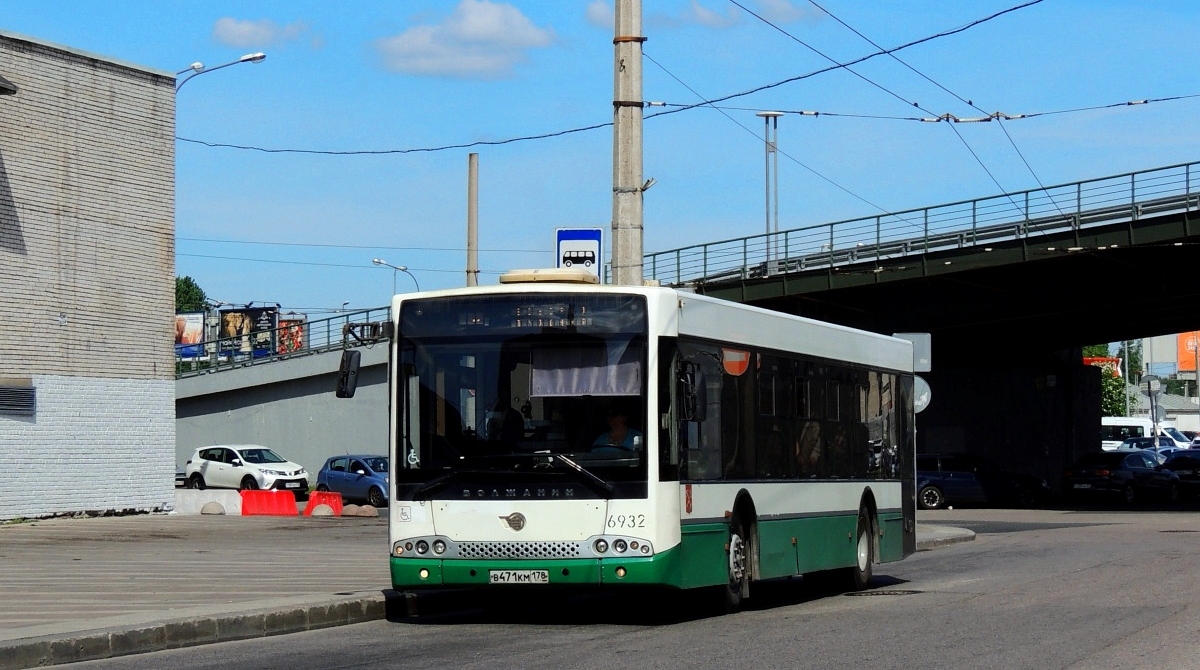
{"x":287,"y":405}
{"x":87,"y":262}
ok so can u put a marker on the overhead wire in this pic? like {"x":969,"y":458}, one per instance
{"x":751,"y":132}
{"x":966,"y":101}
{"x":349,"y":246}
{"x":862,"y":59}
{"x":524,"y":138}
{"x":951,"y":118}
{"x":881,"y":87}
{"x":361,"y":266}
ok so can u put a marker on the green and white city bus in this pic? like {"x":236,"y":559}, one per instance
{"x":568,"y":433}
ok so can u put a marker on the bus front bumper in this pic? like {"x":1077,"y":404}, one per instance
{"x":418,"y":573}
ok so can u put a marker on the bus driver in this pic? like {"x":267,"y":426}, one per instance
{"x":619,"y":434}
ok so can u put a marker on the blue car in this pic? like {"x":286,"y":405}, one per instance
{"x":365,"y":478}
{"x":955,"y":479}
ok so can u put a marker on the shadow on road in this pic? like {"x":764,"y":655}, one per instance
{"x":640,"y":607}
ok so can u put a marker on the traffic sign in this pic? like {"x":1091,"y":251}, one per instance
{"x":579,"y":248}
{"x":922,"y":394}
{"x":1153,"y":385}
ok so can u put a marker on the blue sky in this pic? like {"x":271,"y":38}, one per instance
{"x":301,"y":229}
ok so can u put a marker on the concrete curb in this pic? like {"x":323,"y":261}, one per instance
{"x":931,"y":537}
{"x":188,"y":631}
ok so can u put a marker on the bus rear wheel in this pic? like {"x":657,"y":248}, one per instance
{"x":738,"y":553}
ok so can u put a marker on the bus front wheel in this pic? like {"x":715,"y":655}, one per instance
{"x":859,"y":576}
{"x":738,"y":553}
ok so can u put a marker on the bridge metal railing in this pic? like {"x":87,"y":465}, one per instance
{"x":265,"y":346}
{"x":1009,"y":216}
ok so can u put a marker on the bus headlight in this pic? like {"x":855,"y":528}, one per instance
{"x":601,"y":546}
{"x":422,"y":547}
{"x":439,"y":547}
{"x":619,"y":546}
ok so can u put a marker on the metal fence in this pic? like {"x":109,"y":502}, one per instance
{"x":1018,"y":215}
{"x":269,"y":345}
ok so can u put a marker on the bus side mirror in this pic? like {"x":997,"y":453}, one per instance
{"x":693,"y":397}
{"x":348,"y":373}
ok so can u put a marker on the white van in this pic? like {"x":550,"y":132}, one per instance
{"x":1116,"y":429}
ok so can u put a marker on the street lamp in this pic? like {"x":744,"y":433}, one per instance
{"x":771,"y":122}
{"x":395,"y":269}
{"x":196,"y":69}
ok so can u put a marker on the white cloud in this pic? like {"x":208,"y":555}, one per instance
{"x":480,"y":39}
{"x":248,"y":34}
{"x":695,"y":14}
{"x":600,"y":13}
{"x":698,"y":13}
{"x":782,"y":11}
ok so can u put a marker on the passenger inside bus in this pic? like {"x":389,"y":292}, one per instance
{"x":619,"y":435}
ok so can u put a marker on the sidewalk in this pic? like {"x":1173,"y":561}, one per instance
{"x":80,"y":589}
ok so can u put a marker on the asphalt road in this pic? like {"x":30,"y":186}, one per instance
{"x":1036,"y":589}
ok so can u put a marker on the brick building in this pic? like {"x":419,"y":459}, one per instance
{"x":87,"y":260}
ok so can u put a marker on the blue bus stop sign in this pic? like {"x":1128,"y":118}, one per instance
{"x":579,"y":248}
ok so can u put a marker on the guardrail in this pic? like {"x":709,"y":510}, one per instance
{"x":1017,"y":215}
{"x":269,"y":345}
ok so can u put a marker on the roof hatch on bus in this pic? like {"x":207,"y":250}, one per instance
{"x":560,"y":275}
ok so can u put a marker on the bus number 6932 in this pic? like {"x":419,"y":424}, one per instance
{"x":627,"y":521}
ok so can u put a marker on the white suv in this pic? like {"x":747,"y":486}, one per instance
{"x":244,"y":466}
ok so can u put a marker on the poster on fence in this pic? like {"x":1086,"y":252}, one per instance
{"x":249,"y":330}
{"x":291,"y":334}
{"x":189,"y":334}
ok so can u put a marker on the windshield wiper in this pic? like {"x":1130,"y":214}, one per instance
{"x":595,"y":483}
{"x":439,"y":481}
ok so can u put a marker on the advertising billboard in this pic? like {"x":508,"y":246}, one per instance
{"x":1185,"y":355}
{"x":189,"y":334}
{"x":291,"y":334}
{"x":1110,"y":363}
{"x":249,"y":331}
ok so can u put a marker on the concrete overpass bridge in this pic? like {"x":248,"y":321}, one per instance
{"x":1010,"y":287}
{"x":1092,"y":261}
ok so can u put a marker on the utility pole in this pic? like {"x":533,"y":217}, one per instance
{"x":1125,"y":388}
{"x":627,"y":144}
{"x":472,"y":219}
{"x":771,"y":143}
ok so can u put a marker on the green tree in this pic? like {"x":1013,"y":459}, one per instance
{"x":1095,"y":350}
{"x":1112,"y":394}
{"x":1113,"y":387}
{"x":189,"y":297}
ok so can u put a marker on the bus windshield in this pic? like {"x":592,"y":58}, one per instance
{"x":537,"y":395}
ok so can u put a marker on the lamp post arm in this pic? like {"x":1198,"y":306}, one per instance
{"x":248,"y":58}
{"x":414,"y":278}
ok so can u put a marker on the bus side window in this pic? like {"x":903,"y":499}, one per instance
{"x":699,"y":375}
